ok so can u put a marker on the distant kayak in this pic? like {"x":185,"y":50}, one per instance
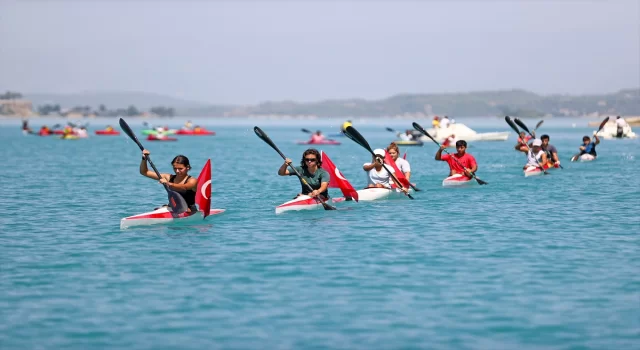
{"x":324,"y":142}
{"x":157,"y":138}
{"x":107,"y":132}
{"x":155,"y":132}
{"x":195,"y":133}
{"x":69,"y":137}
{"x":408,"y":143}
{"x":584,"y":158}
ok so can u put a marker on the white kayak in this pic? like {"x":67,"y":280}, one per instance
{"x":372,"y":194}
{"x":163,"y":215}
{"x":584,"y":158}
{"x":302,"y":202}
{"x":458,"y":180}
{"x":532,"y":171}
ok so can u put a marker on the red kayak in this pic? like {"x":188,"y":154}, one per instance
{"x":195,"y":133}
{"x":156,"y":138}
{"x":107,"y":132}
{"x":324,"y":142}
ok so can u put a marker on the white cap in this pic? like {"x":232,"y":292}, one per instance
{"x":379,"y":152}
{"x":537,"y":142}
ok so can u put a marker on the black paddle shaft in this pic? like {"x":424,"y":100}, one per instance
{"x":354,"y":135}
{"x":515,"y":128}
{"x":422,"y":130}
{"x":262,"y":135}
{"x":176,"y":200}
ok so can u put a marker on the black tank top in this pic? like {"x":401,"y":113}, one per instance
{"x":188,"y":195}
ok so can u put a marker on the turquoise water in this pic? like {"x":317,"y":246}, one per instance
{"x":545,"y":262}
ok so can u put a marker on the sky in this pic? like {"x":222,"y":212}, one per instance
{"x":245,"y":52}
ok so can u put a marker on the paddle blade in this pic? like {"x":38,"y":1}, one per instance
{"x":522,"y":125}
{"x":353,"y":134}
{"x":305,"y":130}
{"x":176,"y":201}
{"x":389,"y":129}
{"x":261,"y":134}
{"x":512,"y":125}
{"x":602,"y":124}
{"x":539,"y":124}
{"x":422,"y":130}
{"x":127,"y":130}
{"x":481,"y":182}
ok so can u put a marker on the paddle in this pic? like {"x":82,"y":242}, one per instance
{"x":389,"y":129}
{"x":515,"y":128}
{"x":176,"y":201}
{"x":306,"y":131}
{"x":261,"y":134}
{"x":524,"y":127}
{"x":354,"y":135}
{"x":422,"y":130}
{"x":575,"y":157}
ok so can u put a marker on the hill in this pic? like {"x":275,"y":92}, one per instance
{"x":94,"y":99}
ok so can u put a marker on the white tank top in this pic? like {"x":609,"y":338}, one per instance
{"x":379,"y":177}
{"x":531,"y":160}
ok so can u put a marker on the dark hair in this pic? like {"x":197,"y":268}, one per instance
{"x":545,"y":136}
{"x":585,"y":138}
{"x":180,"y":159}
{"x":315,"y":153}
{"x":461,"y":143}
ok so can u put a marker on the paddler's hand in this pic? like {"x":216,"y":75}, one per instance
{"x":287,"y":161}
{"x":468,"y":172}
{"x":442,"y":147}
{"x":314,"y":193}
{"x":557,"y":163}
{"x":163,"y":181}
{"x":145,"y":153}
{"x":582,"y":148}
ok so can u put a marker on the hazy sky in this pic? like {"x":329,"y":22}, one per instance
{"x":251,"y":51}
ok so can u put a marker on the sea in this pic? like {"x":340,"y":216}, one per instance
{"x":546,"y":262}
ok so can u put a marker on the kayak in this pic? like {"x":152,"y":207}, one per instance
{"x":584,"y":158}
{"x":458,"y":180}
{"x":155,"y":132}
{"x":163,"y":215}
{"x":195,"y":133}
{"x":107,"y":132}
{"x":156,"y":138}
{"x":325,"y":142}
{"x":69,"y":137}
{"x":302,"y":202}
{"x":372,"y":194}
{"x":408,"y":143}
{"x":532,"y":171}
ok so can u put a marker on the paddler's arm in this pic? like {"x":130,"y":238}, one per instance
{"x":369,"y":166}
{"x":597,"y":139}
{"x":144,"y":170}
{"x":407,"y":175}
{"x":284,"y":168}
{"x":323,"y":187}
{"x":544,"y":159}
{"x":439,"y":153}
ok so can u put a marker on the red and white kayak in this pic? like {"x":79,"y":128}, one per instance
{"x":195,"y":133}
{"x":302,"y":202}
{"x":533,"y":171}
{"x":163,"y":215}
{"x":584,"y":158}
{"x":458,"y":180}
{"x":160,"y":138}
{"x":372,"y":194}
{"x":324,"y":142}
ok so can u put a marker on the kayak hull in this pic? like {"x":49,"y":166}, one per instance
{"x":532,"y":171}
{"x":584,"y":158}
{"x":156,"y":138}
{"x":155,"y":132}
{"x":373,"y":194}
{"x":302,"y":202}
{"x":327,"y":142}
{"x":458,"y":180}
{"x":107,"y":132}
{"x":408,"y":143}
{"x":195,"y":133}
{"x":163,"y":215}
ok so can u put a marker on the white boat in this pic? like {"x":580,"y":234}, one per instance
{"x":164,"y":215}
{"x":610,"y":131}
{"x":584,"y":158}
{"x":302,"y":202}
{"x":372,"y":194}
{"x":532,"y":171}
{"x":463,"y":132}
{"x":458,"y":180}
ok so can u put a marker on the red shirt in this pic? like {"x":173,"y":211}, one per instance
{"x":466,"y":160}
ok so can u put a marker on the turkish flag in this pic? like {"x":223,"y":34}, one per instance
{"x":203,"y":194}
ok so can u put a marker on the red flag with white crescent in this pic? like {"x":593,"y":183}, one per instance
{"x":203,"y":193}
{"x":337,"y":179}
{"x":399,"y":174}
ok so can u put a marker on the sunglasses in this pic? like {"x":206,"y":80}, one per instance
{"x":310,"y":159}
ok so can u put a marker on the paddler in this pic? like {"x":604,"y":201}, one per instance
{"x":467,"y":161}
{"x":317,"y":137}
{"x":589,"y":147}
{"x":535,"y":155}
{"x":25,"y":125}
{"x":109,"y":128}
{"x":197,"y":129}
{"x":407,"y":136}
{"x":311,"y":171}
{"x":44,"y":131}
{"x":401,"y":163}
{"x":523,"y":139}
{"x":346,"y":124}
{"x":187,"y":125}
{"x":551,"y":151}
{"x":377,"y":175}
{"x":181,"y":182}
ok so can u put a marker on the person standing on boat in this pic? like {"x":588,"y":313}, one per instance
{"x":317,"y":137}
{"x":551,"y":151}
{"x":407,"y":136}
{"x":589,"y":147}
{"x":181,"y":182}
{"x":401,"y":163}
{"x":435,"y":122}
{"x":467,"y":161}
{"x":444,"y":123}
{"x":620,"y":124}
{"x":312,"y":173}
{"x":535,"y":155}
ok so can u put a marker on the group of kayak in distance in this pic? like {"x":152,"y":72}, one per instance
{"x":388,"y":175}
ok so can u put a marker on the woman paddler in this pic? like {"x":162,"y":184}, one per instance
{"x":181,"y":182}
{"x":311,"y":171}
{"x":377,"y":175}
